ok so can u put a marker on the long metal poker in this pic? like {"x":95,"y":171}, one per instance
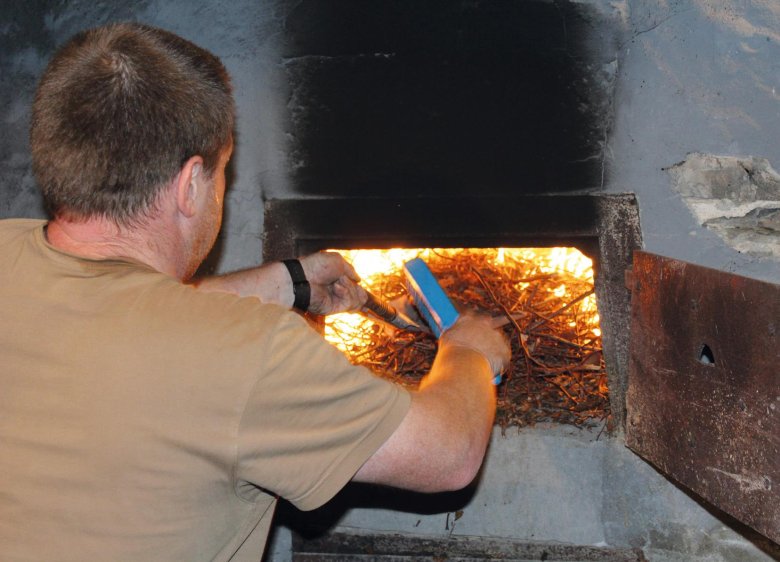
{"x":388,"y":313}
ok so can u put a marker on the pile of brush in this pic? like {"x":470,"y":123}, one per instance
{"x":557,"y":372}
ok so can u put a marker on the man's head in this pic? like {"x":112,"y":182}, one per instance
{"x":118,"y":112}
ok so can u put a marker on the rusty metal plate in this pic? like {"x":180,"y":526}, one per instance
{"x":704,"y":384}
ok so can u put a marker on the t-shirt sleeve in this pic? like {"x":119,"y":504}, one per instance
{"x":312,"y":418}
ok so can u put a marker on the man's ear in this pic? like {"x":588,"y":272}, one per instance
{"x":189,"y":185}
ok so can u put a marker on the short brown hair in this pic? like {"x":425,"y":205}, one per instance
{"x":118,"y":111}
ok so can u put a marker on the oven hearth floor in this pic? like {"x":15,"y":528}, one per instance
{"x":404,"y":548}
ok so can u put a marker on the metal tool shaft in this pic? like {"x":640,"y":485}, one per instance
{"x":387,"y":313}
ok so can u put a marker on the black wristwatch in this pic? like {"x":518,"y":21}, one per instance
{"x":301,"y":286}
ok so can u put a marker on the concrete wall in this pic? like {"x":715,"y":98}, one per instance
{"x":693,"y":76}
{"x":696,"y":76}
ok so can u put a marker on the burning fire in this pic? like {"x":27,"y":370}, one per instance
{"x":380,"y":271}
{"x":543,"y":296}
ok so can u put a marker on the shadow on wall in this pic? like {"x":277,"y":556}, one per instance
{"x":313,"y":524}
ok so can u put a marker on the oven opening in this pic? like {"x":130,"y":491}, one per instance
{"x":542,"y":298}
{"x":603,"y":228}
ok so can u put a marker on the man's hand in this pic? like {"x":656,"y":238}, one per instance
{"x":477,"y":332}
{"x":333,"y":283}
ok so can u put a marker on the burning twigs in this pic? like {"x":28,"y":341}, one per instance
{"x":557,"y":372}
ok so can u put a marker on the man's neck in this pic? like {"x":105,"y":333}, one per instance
{"x":99,"y":238}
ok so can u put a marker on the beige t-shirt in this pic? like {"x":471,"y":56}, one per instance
{"x":141,"y":419}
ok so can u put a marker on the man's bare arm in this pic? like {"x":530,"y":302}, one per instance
{"x":441,"y":442}
{"x":333,"y":283}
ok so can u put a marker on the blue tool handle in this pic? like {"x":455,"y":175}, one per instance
{"x":430,"y":299}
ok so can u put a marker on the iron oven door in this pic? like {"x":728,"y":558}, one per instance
{"x":703,"y":402}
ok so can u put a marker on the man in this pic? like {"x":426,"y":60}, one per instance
{"x":146,"y":418}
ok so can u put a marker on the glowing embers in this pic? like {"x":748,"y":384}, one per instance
{"x":544,"y":299}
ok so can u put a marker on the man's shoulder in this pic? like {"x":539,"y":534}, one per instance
{"x":17,"y":236}
{"x":14,"y":227}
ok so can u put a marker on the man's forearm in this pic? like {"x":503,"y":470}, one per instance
{"x":441,"y":442}
{"x":270,"y":283}
{"x":329,"y":284}
{"x":460,"y":391}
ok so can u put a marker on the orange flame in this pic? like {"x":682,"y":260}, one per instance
{"x":350,"y":332}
